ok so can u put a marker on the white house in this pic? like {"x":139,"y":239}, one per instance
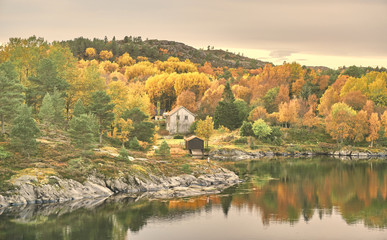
{"x":179,"y":120}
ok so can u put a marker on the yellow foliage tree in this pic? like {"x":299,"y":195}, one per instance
{"x":125,"y":60}
{"x":90,"y":53}
{"x":141,"y":70}
{"x":205,"y":129}
{"x":105,"y":55}
{"x":123,"y":129}
{"x":384,"y":122}
{"x":288,"y":112}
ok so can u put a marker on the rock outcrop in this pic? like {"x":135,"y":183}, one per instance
{"x":61,"y":190}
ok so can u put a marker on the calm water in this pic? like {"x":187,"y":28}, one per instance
{"x":292,"y":199}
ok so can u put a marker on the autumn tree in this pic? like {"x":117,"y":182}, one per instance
{"x":205,"y":129}
{"x":10,"y":93}
{"x":102,"y":107}
{"x":339,"y":123}
{"x":355,"y":99}
{"x":310,"y":119}
{"x":187,"y":99}
{"x":288,"y":112}
{"x":90,"y":53}
{"x":383,"y":119}
{"x":329,"y":98}
{"x":123,"y":129}
{"x":369,"y":107}
{"x":105,"y":55}
{"x":283,"y":95}
{"x":125,"y":60}
{"x":257,"y":113}
{"x":374,"y":127}
{"x":360,"y":126}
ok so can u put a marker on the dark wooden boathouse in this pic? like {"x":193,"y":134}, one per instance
{"x":194,"y":145}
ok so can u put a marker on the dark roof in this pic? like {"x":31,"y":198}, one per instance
{"x":192,"y":137}
{"x":177,"y":108}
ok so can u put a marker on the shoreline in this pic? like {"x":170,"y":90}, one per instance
{"x":60,"y":190}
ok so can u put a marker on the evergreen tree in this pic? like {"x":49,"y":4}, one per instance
{"x":227,"y":112}
{"x":143,"y":130}
{"x":10,"y":93}
{"x":79,"y":108}
{"x":83,"y":131}
{"x":24,"y":131}
{"x":164,"y":149}
{"x":58,"y":104}
{"x":46,"y":113}
{"x":134,"y":144}
{"x":103,"y":110}
{"x":246,"y":129}
{"x":45,"y":81}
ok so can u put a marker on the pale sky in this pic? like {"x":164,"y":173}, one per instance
{"x":328,"y":32}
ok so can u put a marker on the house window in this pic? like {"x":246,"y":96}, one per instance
{"x":186,"y":117}
{"x":178,"y":117}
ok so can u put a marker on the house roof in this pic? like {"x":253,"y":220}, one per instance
{"x":192,"y":137}
{"x":177,"y":108}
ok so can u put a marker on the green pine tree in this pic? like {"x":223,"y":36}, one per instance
{"x":58,"y":104}
{"x":103,"y":110}
{"x":46,"y":113}
{"x":79,"y":108}
{"x":24,"y":131}
{"x":164,"y":149}
{"x":45,"y":81}
{"x":82,"y":130}
{"x":10,"y":93}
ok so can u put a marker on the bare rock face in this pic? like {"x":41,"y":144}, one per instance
{"x":234,"y":155}
{"x":62,"y":190}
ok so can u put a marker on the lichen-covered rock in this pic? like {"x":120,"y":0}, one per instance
{"x":61,"y":190}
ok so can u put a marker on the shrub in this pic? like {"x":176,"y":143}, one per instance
{"x":241,"y":140}
{"x":134,"y":144}
{"x":164,"y":149}
{"x":246,"y":129}
{"x":178,"y":136}
{"x":124,"y":154}
{"x":4,"y":154}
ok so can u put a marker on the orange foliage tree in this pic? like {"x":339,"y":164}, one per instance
{"x":187,"y":99}
{"x":374,"y":127}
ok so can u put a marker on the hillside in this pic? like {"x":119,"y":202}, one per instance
{"x":162,"y":49}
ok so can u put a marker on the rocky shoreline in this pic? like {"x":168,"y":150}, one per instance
{"x":29,"y":191}
{"x":240,"y":155}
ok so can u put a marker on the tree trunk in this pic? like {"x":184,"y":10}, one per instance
{"x":2,"y":124}
{"x":372,"y":143}
{"x":100,"y":138}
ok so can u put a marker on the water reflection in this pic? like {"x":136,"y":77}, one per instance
{"x":277,"y":193}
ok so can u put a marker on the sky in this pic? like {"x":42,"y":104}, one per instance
{"x":329,"y":33}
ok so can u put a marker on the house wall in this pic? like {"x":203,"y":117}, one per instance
{"x":182,"y":124}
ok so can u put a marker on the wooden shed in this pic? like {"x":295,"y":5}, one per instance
{"x":194,"y":145}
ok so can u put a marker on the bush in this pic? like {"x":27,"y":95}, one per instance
{"x":246,"y":129}
{"x":4,"y":154}
{"x":241,"y":140}
{"x":164,"y":149}
{"x":186,"y":168}
{"x":124,"y":154}
{"x":192,"y":128}
{"x":178,"y":136}
{"x":134,"y":144}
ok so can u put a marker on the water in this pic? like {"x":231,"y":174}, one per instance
{"x":282,"y":199}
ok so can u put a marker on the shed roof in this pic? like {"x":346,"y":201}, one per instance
{"x":177,"y":108}
{"x":192,"y":137}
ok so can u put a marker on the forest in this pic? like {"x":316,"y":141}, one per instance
{"x":108,"y":91}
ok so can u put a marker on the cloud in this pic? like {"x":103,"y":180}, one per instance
{"x":281,"y":53}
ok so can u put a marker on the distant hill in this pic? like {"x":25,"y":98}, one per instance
{"x":153,"y":50}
